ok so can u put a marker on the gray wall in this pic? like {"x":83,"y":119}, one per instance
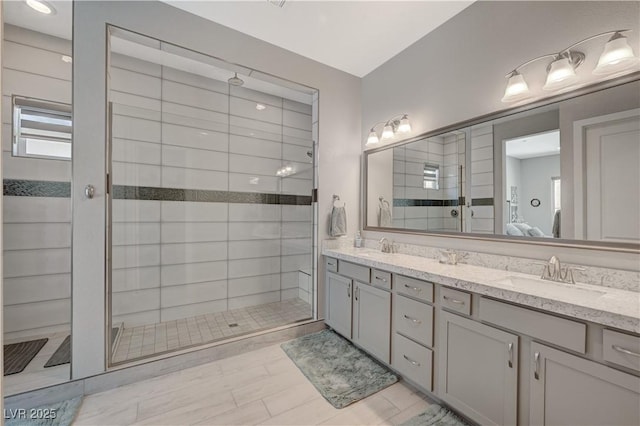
{"x":535,"y":178}
{"x":338,"y":136}
{"x":36,"y":230}
{"x":456,"y":73}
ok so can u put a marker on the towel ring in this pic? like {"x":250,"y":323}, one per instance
{"x":336,"y":198}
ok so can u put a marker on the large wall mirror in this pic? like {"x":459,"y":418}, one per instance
{"x":556,"y":173}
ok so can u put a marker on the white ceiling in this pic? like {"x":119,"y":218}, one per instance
{"x":352,"y":36}
{"x":16,"y":12}
{"x":539,"y":145}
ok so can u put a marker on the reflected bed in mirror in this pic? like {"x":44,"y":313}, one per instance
{"x":565,"y":173}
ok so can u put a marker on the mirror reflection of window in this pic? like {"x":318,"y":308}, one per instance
{"x":431,"y":176}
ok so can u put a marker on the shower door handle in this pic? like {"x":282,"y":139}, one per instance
{"x":89,"y":191}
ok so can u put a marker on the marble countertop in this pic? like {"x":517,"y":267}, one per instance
{"x":602,"y":305}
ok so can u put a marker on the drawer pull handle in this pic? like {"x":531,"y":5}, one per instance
{"x":416,"y":363}
{"x":349,"y":290}
{"x":536,"y":363}
{"x":452,"y":300}
{"x":510,"y":352}
{"x":331,"y":264}
{"x":624,"y":351}
{"x":357,"y":292}
{"x":416,"y":289}
{"x":384,"y":280}
{"x":415,"y":321}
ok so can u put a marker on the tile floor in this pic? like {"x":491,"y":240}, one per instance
{"x":35,"y":376}
{"x":258,"y":387}
{"x":167,"y":336}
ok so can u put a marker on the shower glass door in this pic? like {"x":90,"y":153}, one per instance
{"x":210,"y":210}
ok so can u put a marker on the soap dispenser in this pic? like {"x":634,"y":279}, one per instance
{"x":358,"y":240}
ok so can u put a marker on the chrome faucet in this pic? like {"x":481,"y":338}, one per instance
{"x":553,"y":271}
{"x":385,"y":246}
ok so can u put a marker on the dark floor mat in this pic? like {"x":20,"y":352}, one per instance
{"x":18,"y":355}
{"x":62,"y":355}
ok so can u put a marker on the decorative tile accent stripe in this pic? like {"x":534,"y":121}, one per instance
{"x":36,"y":188}
{"x":121,"y":192}
{"x":407,"y":202}
{"x":482,"y":201}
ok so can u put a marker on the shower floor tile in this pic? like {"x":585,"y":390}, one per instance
{"x":146,"y":340}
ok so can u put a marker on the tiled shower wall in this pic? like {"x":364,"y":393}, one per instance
{"x":427,"y":209}
{"x":36,"y":203}
{"x":482,"y":179}
{"x":201,"y":222}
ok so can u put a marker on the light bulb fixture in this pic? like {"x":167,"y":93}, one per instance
{"x":373,"y":137}
{"x":404,"y":126}
{"x":261,"y":107}
{"x":561,"y":72}
{"x":387,"y":131}
{"x":41,"y":6}
{"x":616,"y":57}
{"x":397,"y":124}
{"x":517,"y":88}
{"x":66,"y":58}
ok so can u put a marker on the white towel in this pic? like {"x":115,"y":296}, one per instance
{"x":384,"y":216}
{"x":338,"y":222}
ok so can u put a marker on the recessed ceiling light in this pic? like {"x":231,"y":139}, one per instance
{"x":41,"y":6}
{"x":261,"y":107}
{"x":67,"y":59}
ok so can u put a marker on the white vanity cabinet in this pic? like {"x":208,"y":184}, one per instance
{"x":478,"y":370}
{"x":568,"y":390}
{"x":371,"y":320}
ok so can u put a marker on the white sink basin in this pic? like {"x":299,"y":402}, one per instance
{"x":522,"y":283}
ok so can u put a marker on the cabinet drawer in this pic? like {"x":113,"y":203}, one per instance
{"x":413,"y":361}
{"x":622,"y":349}
{"x":454,"y":300}
{"x":559,"y":331}
{"x":422,"y":290}
{"x":381,"y":278}
{"x":351,"y":270}
{"x":414,"y":319}
{"x":331,"y":264}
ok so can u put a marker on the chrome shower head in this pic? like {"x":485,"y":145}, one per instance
{"x":235,"y":80}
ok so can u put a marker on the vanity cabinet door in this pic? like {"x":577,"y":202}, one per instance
{"x":372,"y":320}
{"x":569,"y":390}
{"x":339,"y":292}
{"x":478,"y":370}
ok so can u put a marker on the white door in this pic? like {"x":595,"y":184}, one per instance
{"x":612,"y":190}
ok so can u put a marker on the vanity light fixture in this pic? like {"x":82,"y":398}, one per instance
{"x":397,"y":124}
{"x":41,"y":6}
{"x":561,"y":72}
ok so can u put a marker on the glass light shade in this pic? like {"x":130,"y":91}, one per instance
{"x":404,"y":126}
{"x":561,"y":74}
{"x":41,"y":6}
{"x":617,"y":56}
{"x":373,"y":138}
{"x":517,"y":88}
{"x":387,"y":132}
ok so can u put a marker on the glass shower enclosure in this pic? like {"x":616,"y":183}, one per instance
{"x":210,"y":214}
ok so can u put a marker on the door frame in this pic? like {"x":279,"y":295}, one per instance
{"x":579,"y":164}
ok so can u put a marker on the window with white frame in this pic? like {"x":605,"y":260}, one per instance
{"x":431,"y":177}
{"x":41,"y":129}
